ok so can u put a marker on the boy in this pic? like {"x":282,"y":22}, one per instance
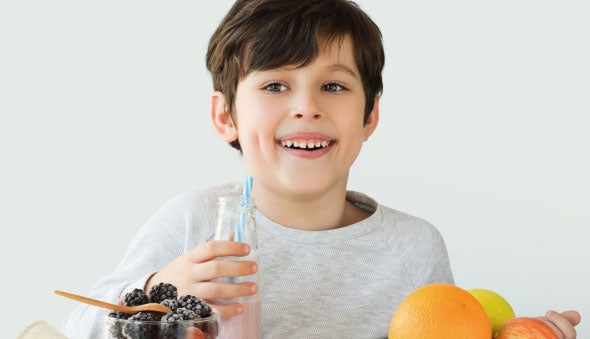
{"x":297,"y":86}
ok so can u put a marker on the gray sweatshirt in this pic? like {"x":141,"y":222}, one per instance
{"x":340,"y":283}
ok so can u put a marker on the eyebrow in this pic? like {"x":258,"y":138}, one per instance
{"x":331,"y":68}
{"x":342,"y":68}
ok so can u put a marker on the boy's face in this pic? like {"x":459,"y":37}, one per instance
{"x":300,"y":129}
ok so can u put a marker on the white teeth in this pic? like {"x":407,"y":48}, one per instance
{"x":304,"y":145}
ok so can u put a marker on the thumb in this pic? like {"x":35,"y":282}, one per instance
{"x":572,"y":316}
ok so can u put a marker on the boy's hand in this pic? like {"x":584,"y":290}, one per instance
{"x":193,"y":271}
{"x":562,"y":323}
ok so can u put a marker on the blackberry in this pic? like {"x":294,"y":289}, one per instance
{"x":172,"y":304}
{"x":172,"y":331}
{"x":197,"y":305}
{"x":145,"y":316}
{"x":171,"y":317}
{"x":172,"y":323}
{"x":136,"y":328}
{"x":116,"y":329}
{"x":119,"y":315}
{"x":162,"y":291}
{"x":136,"y":297}
{"x":187,"y":314}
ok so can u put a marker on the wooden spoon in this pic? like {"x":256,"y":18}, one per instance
{"x":151,"y":307}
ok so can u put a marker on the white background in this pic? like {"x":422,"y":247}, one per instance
{"x":105,"y":116}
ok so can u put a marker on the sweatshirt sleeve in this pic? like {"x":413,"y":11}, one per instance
{"x":428,"y":259}
{"x":158,"y":242}
{"x":421,"y":248}
{"x":431,"y":262}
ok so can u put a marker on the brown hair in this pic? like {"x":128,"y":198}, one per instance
{"x":258,"y":35}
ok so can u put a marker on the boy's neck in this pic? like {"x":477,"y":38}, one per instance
{"x":310,"y":212}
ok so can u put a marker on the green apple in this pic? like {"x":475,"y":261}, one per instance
{"x":496,"y":307}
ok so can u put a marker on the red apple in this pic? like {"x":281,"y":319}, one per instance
{"x":525,"y":328}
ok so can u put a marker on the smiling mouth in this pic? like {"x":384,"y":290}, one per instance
{"x":308,"y":145}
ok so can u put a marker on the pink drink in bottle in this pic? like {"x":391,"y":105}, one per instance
{"x":245,"y":325}
{"x":236,"y":222}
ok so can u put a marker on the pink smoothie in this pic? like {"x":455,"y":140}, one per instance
{"x":245,"y":325}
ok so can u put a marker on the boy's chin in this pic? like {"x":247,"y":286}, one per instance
{"x":309,"y":187}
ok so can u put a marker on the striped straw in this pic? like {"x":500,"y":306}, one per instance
{"x":247,"y":189}
{"x":245,"y":196}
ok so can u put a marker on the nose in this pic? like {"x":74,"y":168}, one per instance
{"x":313,"y":116}
{"x":307,"y":107}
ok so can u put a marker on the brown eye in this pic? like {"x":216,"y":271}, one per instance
{"x":275,"y":87}
{"x":333,"y":87}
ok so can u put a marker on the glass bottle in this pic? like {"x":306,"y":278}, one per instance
{"x":236,"y":222}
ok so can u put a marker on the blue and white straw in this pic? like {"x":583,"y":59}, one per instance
{"x":243,"y":201}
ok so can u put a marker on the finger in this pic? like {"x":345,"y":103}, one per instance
{"x":218,"y":248}
{"x":572,"y":316}
{"x":222,"y":269}
{"x":562,"y":323}
{"x":214,"y":290}
{"x":228,"y":310}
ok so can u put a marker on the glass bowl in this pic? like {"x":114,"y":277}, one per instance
{"x":204,"y":328}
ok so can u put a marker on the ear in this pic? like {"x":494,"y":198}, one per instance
{"x":372,"y":120}
{"x":221,"y":118}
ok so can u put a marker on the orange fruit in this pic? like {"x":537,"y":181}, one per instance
{"x":440,"y":311}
